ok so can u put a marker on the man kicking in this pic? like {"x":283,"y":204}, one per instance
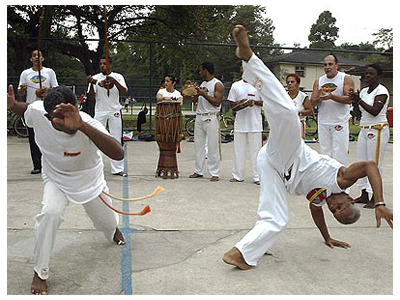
{"x":72,"y":170}
{"x":287,"y":164}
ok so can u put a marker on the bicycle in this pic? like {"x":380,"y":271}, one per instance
{"x":226,"y":125}
{"x":17,"y":124}
{"x":311,"y":125}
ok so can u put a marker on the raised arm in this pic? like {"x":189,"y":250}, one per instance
{"x":69,"y":120}
{"x":17,"y":107}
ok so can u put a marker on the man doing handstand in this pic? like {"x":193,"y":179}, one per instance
{"x":287,"y":164}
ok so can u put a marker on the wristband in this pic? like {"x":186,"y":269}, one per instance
{"x":380,"y":203}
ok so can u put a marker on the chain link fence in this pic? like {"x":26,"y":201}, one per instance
{"x":148,"y":63}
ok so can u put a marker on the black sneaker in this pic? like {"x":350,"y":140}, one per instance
{"x":36,"y":171}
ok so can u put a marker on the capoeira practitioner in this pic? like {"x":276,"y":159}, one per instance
{"x":72,"y":170}
{"x":330,"y":94}
{"x":287,"y":164}
{"x":107,"y":87}
{"x":206,"y":126}
{"x":372,"y":103}
{"x":244,"y":99}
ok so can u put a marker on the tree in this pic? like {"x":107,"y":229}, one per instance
{"x":69,"y":30}
{"x":384,"y":37}
{"x":324,"y":33}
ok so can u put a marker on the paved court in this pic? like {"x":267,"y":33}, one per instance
{"x":177,"y":247}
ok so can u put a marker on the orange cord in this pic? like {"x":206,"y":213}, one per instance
{"x":143,"y":212}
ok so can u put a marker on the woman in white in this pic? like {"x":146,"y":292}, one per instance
{"x":371,"y":103}
{"x":168,"y":129}
{"x":301,"y":100}
{"x":168,"y":92}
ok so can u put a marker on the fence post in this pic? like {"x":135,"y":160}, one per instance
{"x":151,"y":83}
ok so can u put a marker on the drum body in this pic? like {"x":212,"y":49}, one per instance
{"x":168,"y":135}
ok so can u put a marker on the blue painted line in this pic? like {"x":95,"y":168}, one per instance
{"x":126,"y":257}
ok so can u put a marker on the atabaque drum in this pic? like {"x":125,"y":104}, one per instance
{"x":168,"y":136}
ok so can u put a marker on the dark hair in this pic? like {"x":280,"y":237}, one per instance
{"x":334,"y":57}
{"x":376,"y":67}
{"x":57,"y":95}
{"x":173,"y":78}
{"x":208,"y":66}
{"x":297,"y":77}
{"x":109,"y":59}
{"x":40,"y":51}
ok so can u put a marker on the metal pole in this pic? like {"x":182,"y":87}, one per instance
{"x":151,"y":83}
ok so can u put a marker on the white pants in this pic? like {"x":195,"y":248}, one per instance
{"x":115,"y":128}
{"x":206,"y":134}
{"x":366,"y":150}
{"x":50,"y":218}
{"x":334,"y":141}
{"x":254,"y":142}
{"x":283,"y":142}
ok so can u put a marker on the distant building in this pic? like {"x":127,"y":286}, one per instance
{"x":309,"y":66}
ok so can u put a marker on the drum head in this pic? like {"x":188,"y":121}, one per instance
{"x":190,"y":90}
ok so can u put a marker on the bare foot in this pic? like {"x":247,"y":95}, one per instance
{"x":38,"y":286}
{"x":118,"y":237}
{"x":363,"y":198}
{"x":243,"y":50}
{"x":234,"y":257}
{"x":370,"y":204}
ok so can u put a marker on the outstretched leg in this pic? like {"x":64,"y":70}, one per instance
{"x":243,"y":50}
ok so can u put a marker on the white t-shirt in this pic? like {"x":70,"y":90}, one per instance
{"x":248,"y":119}
{"x":299,"y":102}
{"x":203,"y":106}
{"x":331,"y":112}
{"x":366,"y":118}
{"x":175,"y":94}
{"x":105,"y":103}
{"x":71,"y":161}
{"x":30,"y":77}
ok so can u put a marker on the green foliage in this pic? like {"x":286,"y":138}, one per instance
{"x":68,"y":29}
{"x":384,"y":37}
{"x":324,"y":32}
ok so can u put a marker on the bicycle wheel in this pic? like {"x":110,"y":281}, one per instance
{"x":227,"y":125}
{"x":20,"y":127}
{"x":189,"y":126}
{"x":311,"y":126}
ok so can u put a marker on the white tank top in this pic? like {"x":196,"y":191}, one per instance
{"x":299,"y":102}
{"x":331,"y":112}
{"x":366,"y":118}
{"x":203,"y":106}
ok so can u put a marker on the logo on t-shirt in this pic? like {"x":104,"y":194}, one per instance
{"x":329,"y":87}
{"x":36,"y":78}
{"x":339,"y":127}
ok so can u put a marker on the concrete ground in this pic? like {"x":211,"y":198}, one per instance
{"x":177,"y":248}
